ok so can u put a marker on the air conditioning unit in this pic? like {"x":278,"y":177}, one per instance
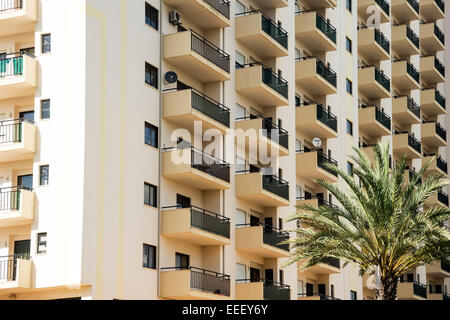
{"x":175,"y":17}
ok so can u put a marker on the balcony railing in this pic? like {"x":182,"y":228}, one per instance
{"x":11,"y":130}
{"x":442,"y":164}
{"x":207,"y":220}
{"x":414,"y":143}
{"x":323,"y":159}
{"x":415,"y":5}
{"x":276,"y":186}
{"x":6,"y":5}
{"x":382,"y":79}
{"x":445,"y":265}
{"x":412,"y":106}
{"x":222,"y":6}
{"x":380,"y":116}
{"x":413,"y":72}
{"x":325,"y":26}
{"x":274,"y":132}
{"x":8,"y":266}
{"x":326,"y":72}
{"x":321,"y":296}
{"x":442,"y":197}
{"x":384,"y":6}
{"x":439,"y":66}
{"x":382,"y":40}
{"x":210,"y":51}
{"x":206,"y":280}
{"x":11,"y":65}
{"x":271,"y":235}
{"x":10,"y":198}
{"x":440,"y":131}
{"x":326,"y":117}
{"x":439,"y":34}
{"x":439,"y":98}
{"x":412,"y":36}
{"x":418,"y":288}
{"x":334,"y":262}
{"x":440,"y":4}
{"x":272,"y":290}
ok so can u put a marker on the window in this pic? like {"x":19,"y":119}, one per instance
{"x":150,"y":194}
{"x":241,"y":271}
{"x":181,"y":261}
{"x":149,"y":257}
{"x":332,"y":290}
{"x":151,"y":75}
{"x":353,"y":295}
{"x":43,"y":179}
{"x":282,"y":276}
{"x":349,"y":5}
{"x":151,"y":135}
{"x":240,"y":60}
{"x":300,"y":287}
{"x":349,"y":86}
{"x":46,"y":41}
{"x":42,"y":243}
{"x":45,"y":109}
{"x":348,"y":44}
{"x":151,"y":16}
{"x":349,"y":168}
{"x":240,"y":8}
{"x":280,"y":223}
{"x":349,"y":127}
{"x":240,"y":113}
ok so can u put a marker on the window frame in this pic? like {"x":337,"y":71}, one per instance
{"x":149,"y":18}
{"x":347,"y":83}
{"x":154,"y":72}
{"x":153,"y":129}
{"x":49,"y":112}
{"x":150,"y":262}
{"x":43,"y":45}
{"x":41,"y":176}
{"x":155,"y":195}
{"x":349,"y":42}
{"x":40,"y":242}
{"x":349,"y":127}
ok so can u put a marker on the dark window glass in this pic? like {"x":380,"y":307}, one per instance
{"x":25,"y":181}
{"x":349,"y":127}
{"x":181,"y":261}
{"x":350,"y":168}
{"x":349,"y":5}
{"x":42,"y":243}
{"x":151,"y":75}
{"x":151,"y":135}
{"x":44,"y":172}
{"x":46,"y":43}
{"x":151,"y":16}
{"x":353,"y":295}
{"x":45,"y":109}
{"x":349,"y":86}
{"x":348,"y":44}
{"x":29,"y":115}
{"x":150,"y":194}
{"x":149,"y":257}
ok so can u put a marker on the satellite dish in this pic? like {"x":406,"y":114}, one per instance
{"x":317,"y":142}
{"x":171,"y":77}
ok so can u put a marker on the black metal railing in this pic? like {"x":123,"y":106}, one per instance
{"x":326,"y":72}
{"x":210,"y":107}
{"x":326,"y":117}
{"x":412,"y":106}
{"x":440,"y":4}
{"x":414,"y":4}
{"x":222,"y":6}
{"x":414,"y":143}
{"x":380,"y":116}
{"x":11,"y":130}
{"x":413,"y":72}
{"x":321,"y":296}
{"x":420,"y":290}
{"x":6,"y":5}
{"x":205,"y":162}
{"x":445,"y":265}
{"x":440,"y":99}
{"x":442,"y":164}
{"x":331,"y":261}
{"x":439,"y":66}
{"x":442,"y":197}
{"x":206,"y":280}
{"x":382,"y":40}
{"x":210,"y":51}
{"x":10,"y":198}
{"x":382,"y":79}
{"x":384,"y":6}
{"x":446,"y":296}
{"x":271,"y":235}
{"x":207,"y":220}
{"x":271,"y":290}
{"x":323,"y":25}
{"x":323,"y":159}
{"x":412,"y":36}
{"x":8,"y":266}
{"x":275,"y":133}
{"x":276,"y":186}
{"x":439,"y":34}
{"x":440,"y":131}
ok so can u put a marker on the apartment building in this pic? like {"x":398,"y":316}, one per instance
{"x":153,"y":149}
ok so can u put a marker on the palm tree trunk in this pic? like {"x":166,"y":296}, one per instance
{"x":388,"y":290}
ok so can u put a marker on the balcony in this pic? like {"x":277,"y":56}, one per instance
{"x":17,"y":140}
{"x":440,"y":199}
{"x":314,"y":201}
{"x":17,"y":16}
{"x":382,"y":6}
{"x":437,"y":166}
{"x":315,"y":32}
{"x":326,"y":267}
{"x":192,"y":283}
{"x":15,"y":274}
{"x":263,"y":136}
{"x":315,"y":77}
{"x":432,"y":38}
{"x":260,"y":84}
{"x":405,"y":143}
{"x":404,"y":76}
{"x":262,"y":240}
{"x":196,"y":56}
{"x":411,"y":291}
{"x":208,"y":14}
{"x":184,"y":107}
{"x":433,"y":134}
{"x":247,"y":289}
{"x":432,"y":102}
{"x":432,"y":70}
{"x":18,"y":75}
{"x":314,"y":120}
{"x":373,"y":84}
{"x":373,"y":45}
{"x":319,"y":4}
{"x":266,"y":4}
{"x":432,"y":10}
{"x":438,"y":269}
{"x":261,"y":34}
{"x":315,"y":297}
{"x":16,"y":206}
{"x":195,"y":168}
{"x":196,"y":225}
{"x":373,"y":121}
{"x":266,"y":190}
{"x":405,"y":110}
{"x":311,"y":165}
{"x":405,"y":42}
{"x":405,"y":10}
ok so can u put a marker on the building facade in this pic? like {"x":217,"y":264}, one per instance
{"x":153,"y":149}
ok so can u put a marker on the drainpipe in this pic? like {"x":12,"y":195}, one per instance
{"x":158,"y":250}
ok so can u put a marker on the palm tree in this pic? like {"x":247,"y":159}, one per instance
{"x":382,"y":224}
